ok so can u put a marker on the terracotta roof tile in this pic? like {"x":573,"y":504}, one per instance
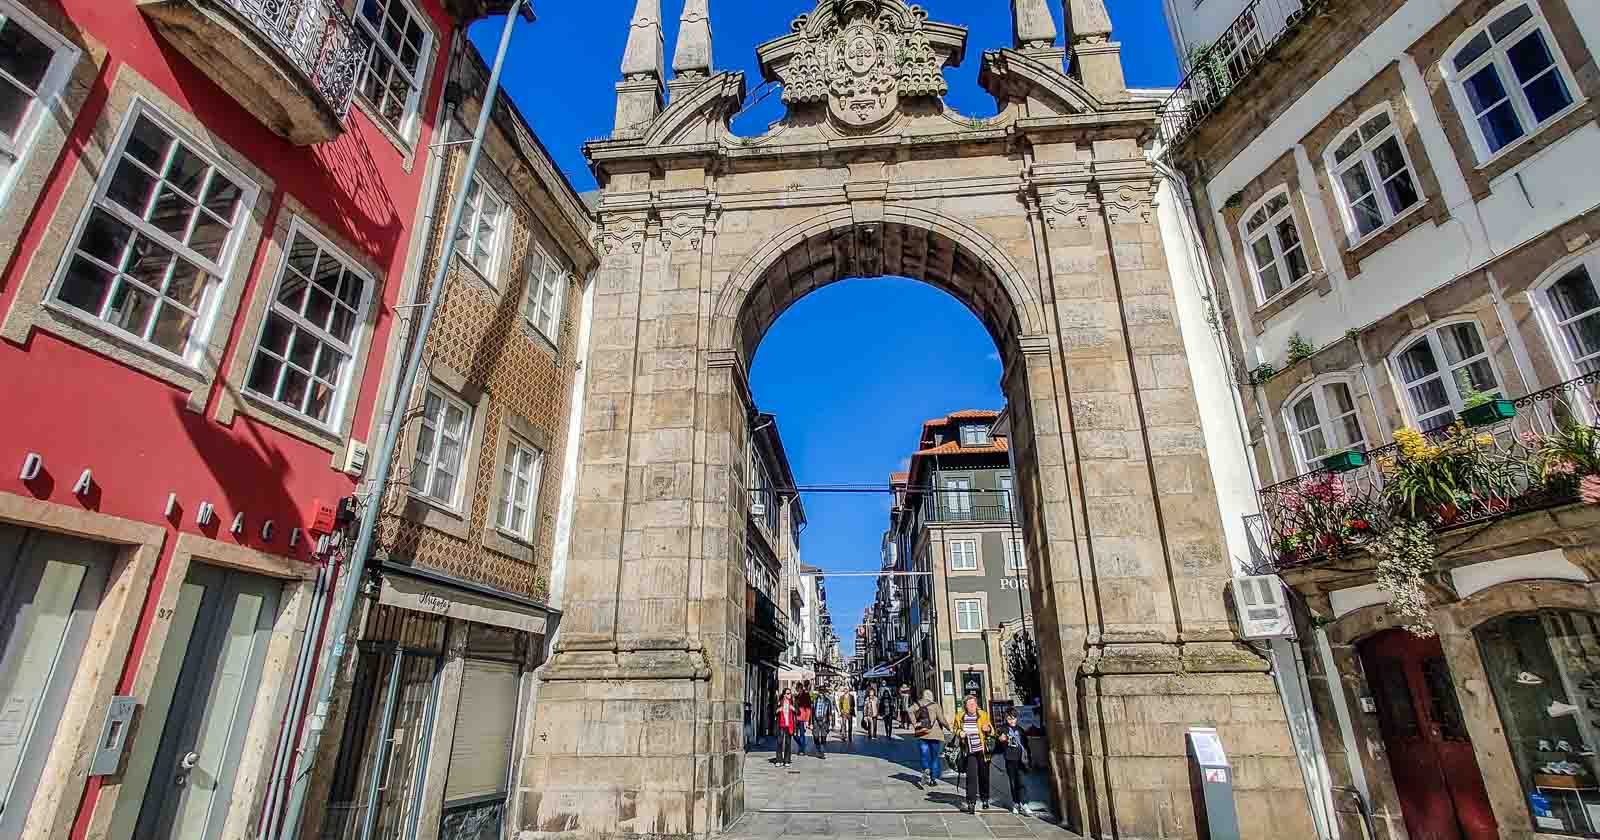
{"x":899,"y":477}
{"x":964,"y":414}
{"x":954,"y":447}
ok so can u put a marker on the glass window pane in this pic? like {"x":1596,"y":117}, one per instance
{"x":1501,"y":127}
{"x":24,"y":56}
{"x":295,"y":385}
{"x":1484,"y":88}
{"x":275,"y":335}
{"x":1339,"y":399}
{"x":171,"y":213}
{"x":1461,"y":341}
{"x":1429,"y":397}
{"x":1508,"y":22}
{"x":1583,"y":337}
{"x":1368,"y":217}
{"x":1375,"y":126}
{"x":84,"y":286}
{"x":131,"y":308}
{"x":1295,"y":262}
{"x":1574,"y":294}
{"x":1349,"y":147}
{"x":148,"y":143}
{"x":1305,"y":414}
{"x":1541,"y":671}
{"x":209,"y":237}
{"x":1391,"y":161}
{"x":1547,"y":95}
{"x":264,"y":375}
{"x":188,"y":285}
{"x":1402,"y":193}
{"x":105,"y":238}
{"x":172,"y":328}
{"x":131,"y":187}
{"x":1481,"y":376}
{"x":14,"y":104}
{"x":1529,"y":56}
{"x":1351,"y":428}
{"x":1473,"y":51}
{"x":319,"y":306}
{"x":1418,"y":362}
{"x":187,"y":171}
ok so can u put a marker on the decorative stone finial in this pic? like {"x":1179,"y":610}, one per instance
{"x":1087,"y":21}
{"x":646,"y":52}
{"x":1032,"y":24}
{"x":692,"y":58}
{"x":1096,"y":59}
{"x":639,"y":94}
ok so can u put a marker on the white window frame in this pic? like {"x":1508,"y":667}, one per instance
{"x":222,"y":268}
{"x":964,"y":555}
{"x":46,"y":98}
{"x":467,"y":409}
{"x":1327,"y":420}
{"x":1016,"y":555}
{"x":961,"y":615}
{"x":472,"y":217}
{"x":1269,"y":230}
{"x":1364,"y":157}
{"x":1446,"y":371}
{"x":410,"y":118}
{"x":299,"y":227}
{"x":1455,"y":79}
{"x":1554,"y":327}
{"x":517,"y":446}
{"x":547,"y":283}
{"x":979,"y":435}
{"x":1006,"y":483}
{"x":956,"y":499}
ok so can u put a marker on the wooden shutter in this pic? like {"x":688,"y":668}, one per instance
{"x":486,"y":725}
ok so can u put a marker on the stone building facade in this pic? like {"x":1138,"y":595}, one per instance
{"x":1041,"y":220}
{"x":1388,"y":244}
{"x":439,"y":690}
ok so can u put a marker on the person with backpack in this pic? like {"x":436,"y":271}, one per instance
{"x":822,"y":721}
{"x":929,"y":728}
{"x":974,"y":729}
{"x":1013,"y":746}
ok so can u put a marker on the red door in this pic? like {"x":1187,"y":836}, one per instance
{"x":1435,"y":773}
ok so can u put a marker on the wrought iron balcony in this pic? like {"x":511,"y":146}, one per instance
{"x":291,"y":63}
{"x":947,"y":510}
{"x":1213,"y":71}
{"x":1535,"y":460}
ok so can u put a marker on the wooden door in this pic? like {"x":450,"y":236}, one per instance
{"x":1430,"y":754}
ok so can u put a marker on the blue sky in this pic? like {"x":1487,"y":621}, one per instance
{"x":852,"y":370}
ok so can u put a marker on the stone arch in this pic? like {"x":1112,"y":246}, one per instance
{"x":905,"y":241}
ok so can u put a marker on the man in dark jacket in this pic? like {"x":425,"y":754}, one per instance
{"x":1013,"y":744}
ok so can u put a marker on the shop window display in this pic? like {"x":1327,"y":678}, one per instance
{"x":1545,"y":672}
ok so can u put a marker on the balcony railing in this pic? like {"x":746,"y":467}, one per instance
{"x":1531,"y":461}
{"x":1214,"y":70}
{"x":318,"y":38}
{"x":950,"y":511}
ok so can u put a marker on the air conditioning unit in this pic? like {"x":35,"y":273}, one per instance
{"x":1263,"y":606}
{"x":758,"y":508}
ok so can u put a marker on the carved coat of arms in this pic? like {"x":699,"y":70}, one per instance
{"x":861,"y":57}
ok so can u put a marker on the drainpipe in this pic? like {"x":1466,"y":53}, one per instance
{"x":391,"y":434}
{"x":283,"y":764}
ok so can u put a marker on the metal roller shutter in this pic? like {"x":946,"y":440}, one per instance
{"x":486,"y":724}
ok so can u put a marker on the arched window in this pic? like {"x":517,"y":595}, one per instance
{"x":1508,"y":77}
{"x":1570,"y":298}
{"x":1372,"y":173}
{"x":1322,"y":418}
{"x":1439,"y":368}
{"x":1277,"y":254}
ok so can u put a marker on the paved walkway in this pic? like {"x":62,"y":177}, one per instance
{"x":873,"y":789}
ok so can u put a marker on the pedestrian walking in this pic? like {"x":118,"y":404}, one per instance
{"x":869,"y":716}
{"x":905,"y":705}
{"x":847,"y":714}
{"x":886,"y":707}
{"x":974,"y":728}
{"x":788,"y":721}
{"x":930,"y":730}
{"x":822,"y":716}
{"x":803,"y":701}
{"x":1013,"y":747}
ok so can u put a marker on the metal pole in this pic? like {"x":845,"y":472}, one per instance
{"x":398,"y":398}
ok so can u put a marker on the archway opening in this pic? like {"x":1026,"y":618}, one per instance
{"x":878,"y":351}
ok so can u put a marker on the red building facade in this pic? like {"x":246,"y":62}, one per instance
{"x":207,"y":210}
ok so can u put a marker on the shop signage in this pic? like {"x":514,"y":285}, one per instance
{"x":423,"y":597}
{"x":972,"y":684}
{"x":1014,"y":583}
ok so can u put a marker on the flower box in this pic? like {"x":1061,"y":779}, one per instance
{"x":1489,"y":413}
{"x":1344,"y":461}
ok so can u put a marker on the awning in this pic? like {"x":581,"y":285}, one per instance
{"x":792,"y":674}
{"x":410,"y":589}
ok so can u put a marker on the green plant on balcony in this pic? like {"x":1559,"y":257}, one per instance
{"x":1330,"y":522}
{"x":1406,"y":555}
{"x":1480,"y":408}
{"x":1434,"y":482}
{"x":1562,"y":460}
{"x":1300,"y":349}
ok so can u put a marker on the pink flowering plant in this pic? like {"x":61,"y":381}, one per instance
{"x":1323,"y":520}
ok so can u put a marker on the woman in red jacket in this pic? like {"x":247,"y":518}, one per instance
{"x":788,"y":721}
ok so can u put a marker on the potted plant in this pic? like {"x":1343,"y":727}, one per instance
{"x":1342,"y":460}
{"x":1480,"y":408}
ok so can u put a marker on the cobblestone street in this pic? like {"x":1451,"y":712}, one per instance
{"x":874,"y":789}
